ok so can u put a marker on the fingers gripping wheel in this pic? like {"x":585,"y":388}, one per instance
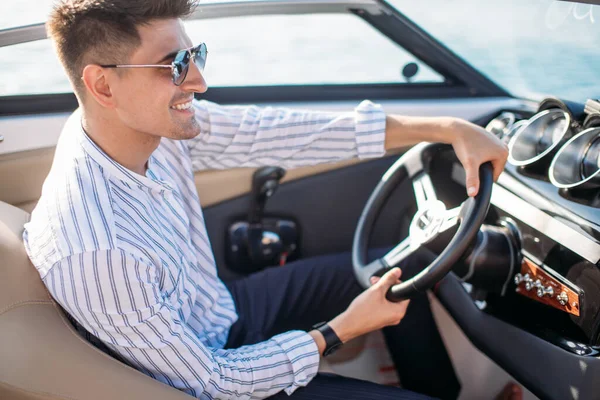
{"x":431,"y":219}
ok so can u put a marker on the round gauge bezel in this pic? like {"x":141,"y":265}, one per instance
{"x":514,"y":129}
{"x":531,"y":128}
{"x":594,"y":133}
{"x":509,"y":117}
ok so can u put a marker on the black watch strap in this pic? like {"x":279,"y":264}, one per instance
{"x":332,"y":341}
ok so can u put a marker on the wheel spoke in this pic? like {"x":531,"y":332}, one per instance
{"x":400,"y":252}
{"x":373,"y":268}
{"x":451,"y":218}
{"x":424,"y":191}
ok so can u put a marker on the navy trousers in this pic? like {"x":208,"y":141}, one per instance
{"x":312,"y":290}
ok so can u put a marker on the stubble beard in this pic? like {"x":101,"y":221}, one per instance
{"x":187,"y":130}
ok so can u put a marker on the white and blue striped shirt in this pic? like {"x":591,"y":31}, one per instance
{"x":128,"y":256}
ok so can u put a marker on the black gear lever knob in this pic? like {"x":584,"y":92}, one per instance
{"x":265,"y":181}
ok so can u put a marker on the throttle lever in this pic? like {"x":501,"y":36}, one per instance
{"x":265,"y":181}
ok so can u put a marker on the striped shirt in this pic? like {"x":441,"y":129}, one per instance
{"x":129,"y":258}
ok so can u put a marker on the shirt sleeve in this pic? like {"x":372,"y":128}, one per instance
{"x":252,"y":136}
{"x":117,"y":298}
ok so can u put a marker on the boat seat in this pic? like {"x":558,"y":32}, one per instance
{"x":42,"y":355}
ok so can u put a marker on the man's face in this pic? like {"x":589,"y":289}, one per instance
{"x":145,"y":98}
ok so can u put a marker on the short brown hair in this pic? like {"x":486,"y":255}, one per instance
{"x":104,"y":31}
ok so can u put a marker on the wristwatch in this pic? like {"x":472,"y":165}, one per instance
{"x":332,"y":341}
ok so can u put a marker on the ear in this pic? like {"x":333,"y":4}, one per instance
{"x":97,"y":83}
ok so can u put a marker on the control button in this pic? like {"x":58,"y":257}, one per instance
{"x":518,"y":279}
{"x":545,"y":291}
{"x":537,"y":282}
{"x":528,"y":282}
{"x":562,"y":298}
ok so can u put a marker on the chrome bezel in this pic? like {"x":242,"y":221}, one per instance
{"x":515,"y":128}
{"x":510,"y":120}
{"x":530,"y":128}
{"x":594,"y":133}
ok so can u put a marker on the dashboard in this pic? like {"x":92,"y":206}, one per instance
{"x":527,"y":291}
{"x":546,"y":205}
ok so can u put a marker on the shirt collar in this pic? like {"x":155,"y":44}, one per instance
{"x":111,"y":166}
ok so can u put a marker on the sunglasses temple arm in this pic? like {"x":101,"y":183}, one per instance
{"x":138,"y":66}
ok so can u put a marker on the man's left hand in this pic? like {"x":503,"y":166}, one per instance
{"x":474,"y":146}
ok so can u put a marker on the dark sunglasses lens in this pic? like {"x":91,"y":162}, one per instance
{"x":181,"y":64}
{"x":200,"y":58}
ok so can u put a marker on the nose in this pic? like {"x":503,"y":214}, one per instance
{"x":194,"y":81}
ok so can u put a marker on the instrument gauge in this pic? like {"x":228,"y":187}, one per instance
{"x":577,"y":163}
{"x":540,"y":138}
{"x":591,"y":159}
{"x":551,"y":133}
{"x":500,"y":125}
{"x":513,"y":130}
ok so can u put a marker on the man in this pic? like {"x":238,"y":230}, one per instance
{"x":119,"y":238}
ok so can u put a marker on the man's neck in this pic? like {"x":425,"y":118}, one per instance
{"x":128,"y":147}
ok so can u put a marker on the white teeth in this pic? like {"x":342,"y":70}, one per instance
{"x":184,"y":106}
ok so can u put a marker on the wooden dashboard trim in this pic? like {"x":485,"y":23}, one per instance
{"x":537,"y":280}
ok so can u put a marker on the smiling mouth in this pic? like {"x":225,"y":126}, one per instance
{"x":182,"y":106}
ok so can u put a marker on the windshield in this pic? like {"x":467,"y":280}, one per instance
{"x":533,"y":48}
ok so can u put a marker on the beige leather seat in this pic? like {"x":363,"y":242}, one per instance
{"x":41,"y":355}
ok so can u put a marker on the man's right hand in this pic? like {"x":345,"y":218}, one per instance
{"x":371,"y":310}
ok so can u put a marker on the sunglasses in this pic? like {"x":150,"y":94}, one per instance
{"x":180,"y":65}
